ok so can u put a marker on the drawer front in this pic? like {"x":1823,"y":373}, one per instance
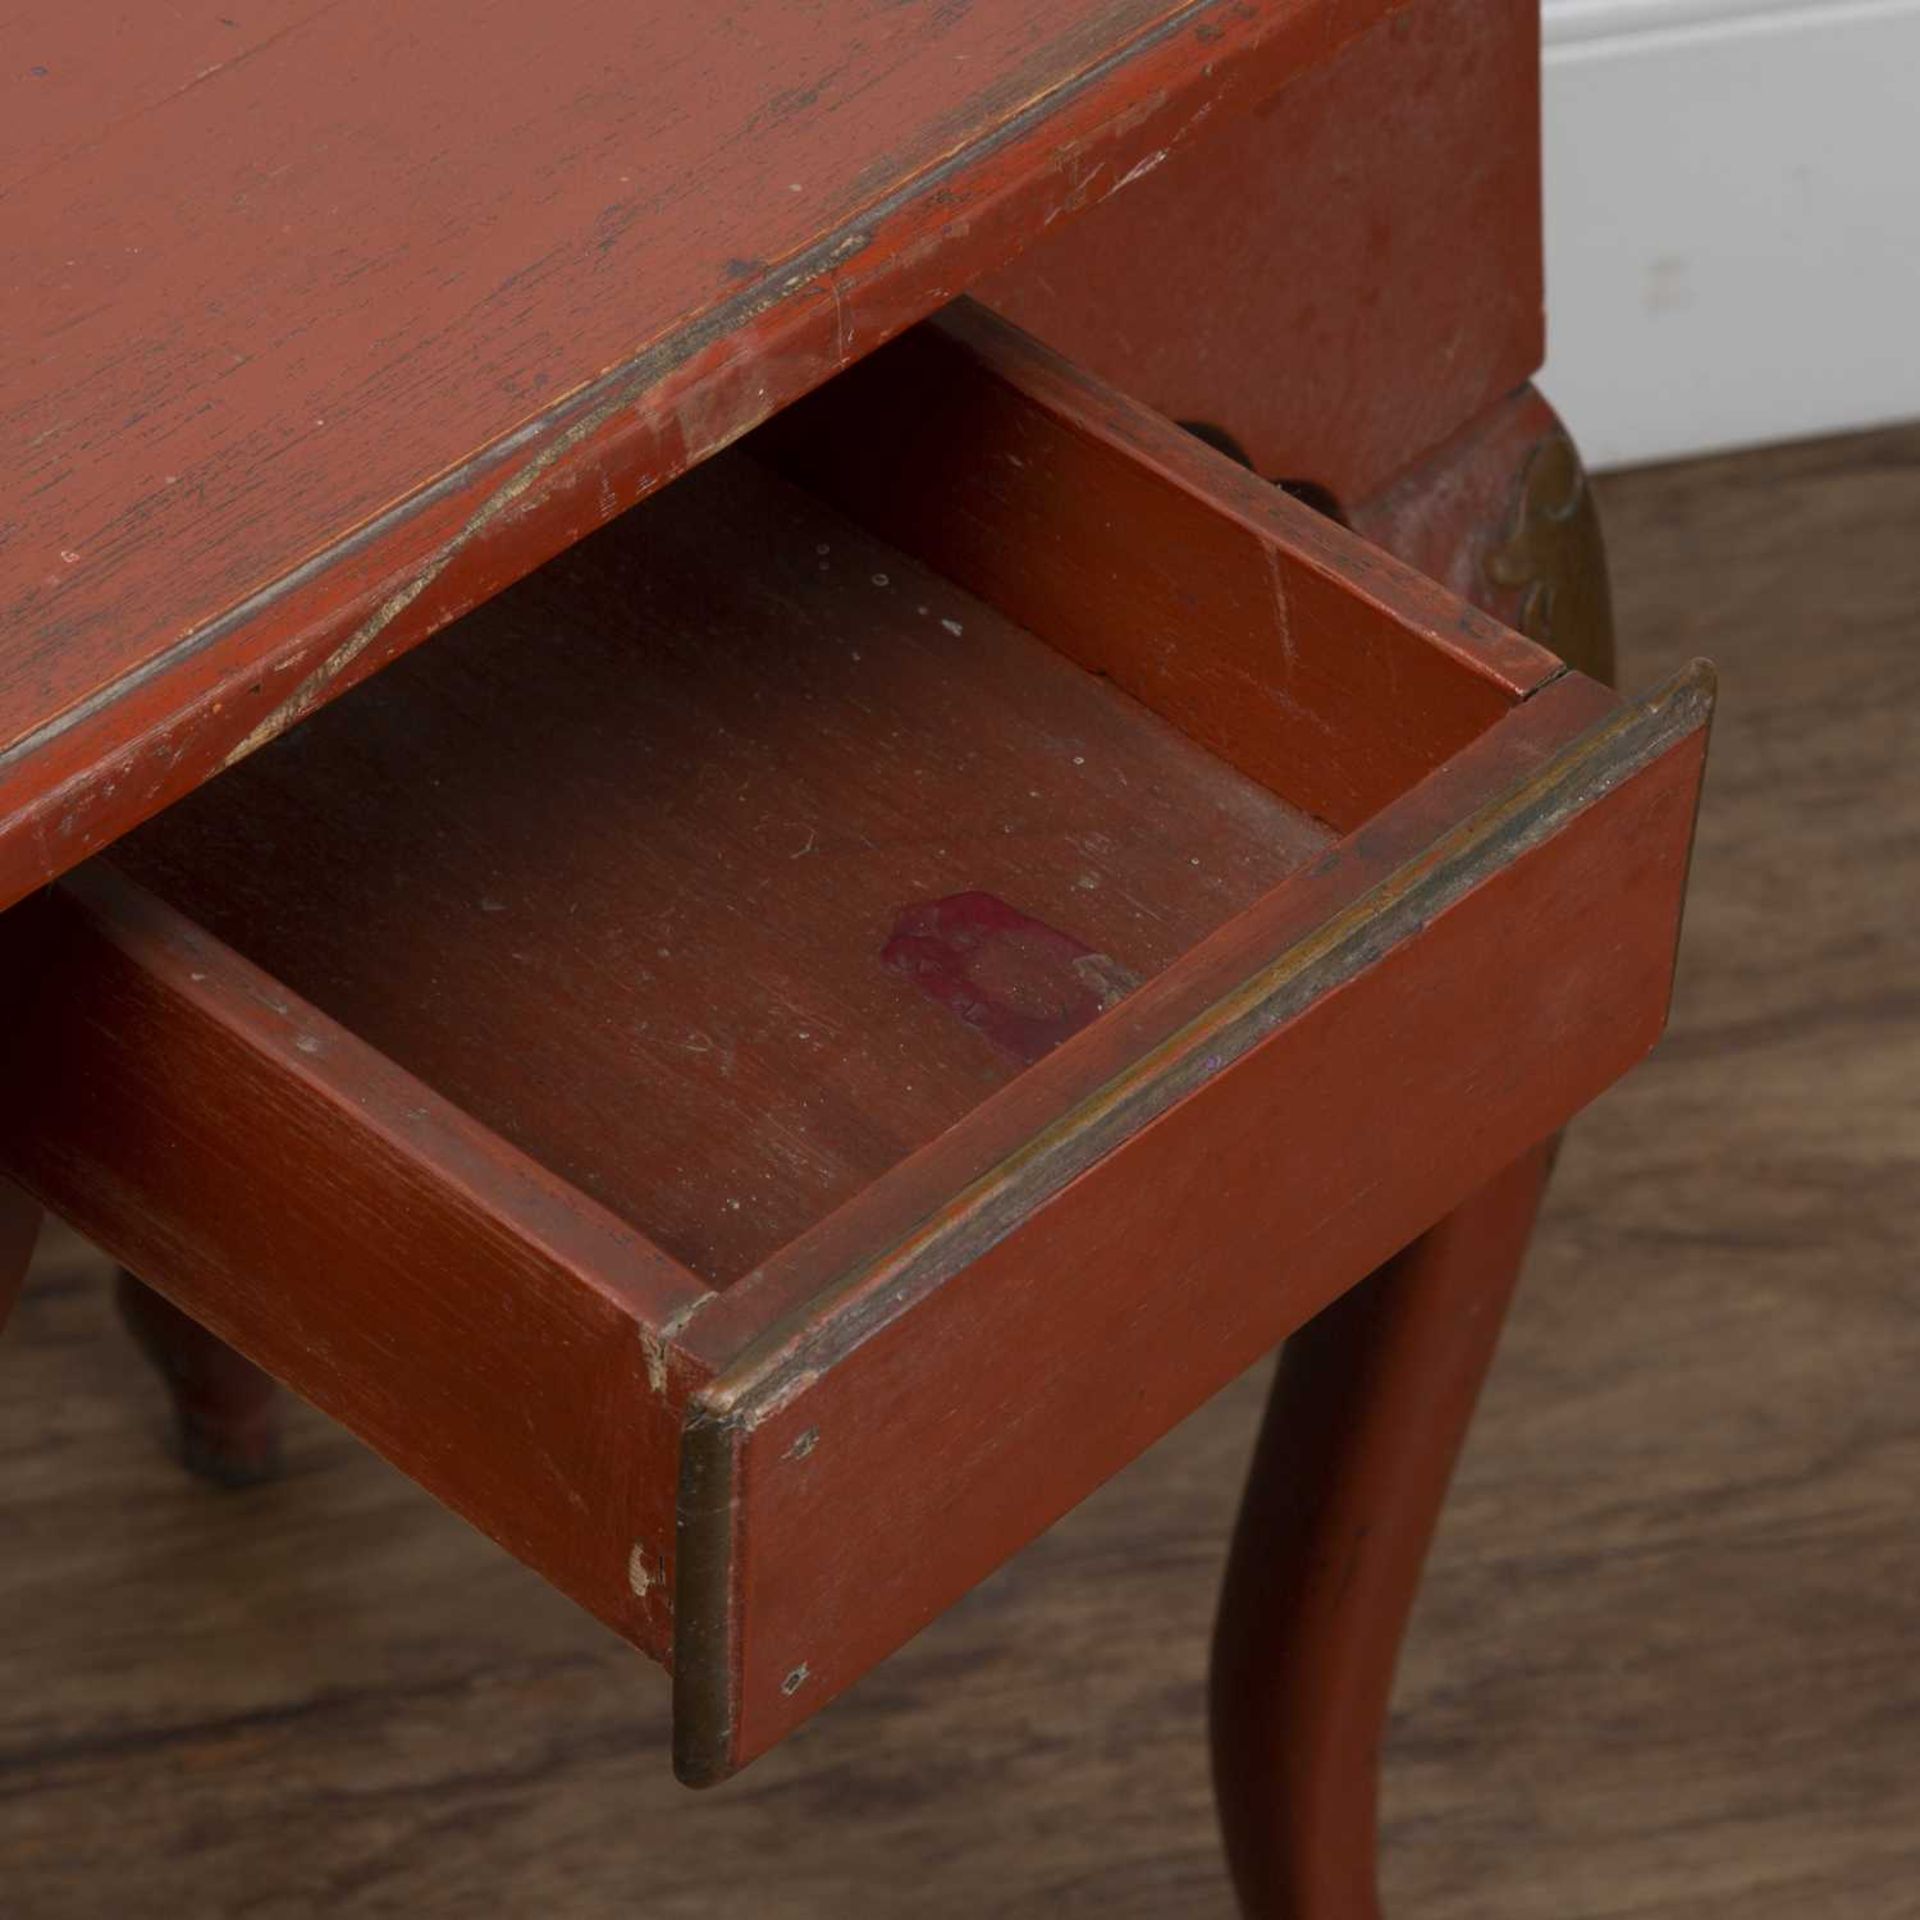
{"x":874,"y":1458}
{"x":530,"y":1059}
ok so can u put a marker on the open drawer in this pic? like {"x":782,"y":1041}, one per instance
{"x":765,"y":1063}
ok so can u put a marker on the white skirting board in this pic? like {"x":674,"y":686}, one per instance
{"x":1733,"y":220}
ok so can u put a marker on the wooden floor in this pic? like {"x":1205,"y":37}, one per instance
{"x":1668,"y":1659}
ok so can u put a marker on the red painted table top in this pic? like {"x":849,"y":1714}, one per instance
{"x":323,"y":321}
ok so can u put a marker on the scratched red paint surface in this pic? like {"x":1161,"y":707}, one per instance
{"x":1021,"y":984}
{"x":323,"y":320}
{"x":284,"y":283}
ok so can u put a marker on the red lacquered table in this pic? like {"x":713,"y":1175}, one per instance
{"x":822,"y":1012}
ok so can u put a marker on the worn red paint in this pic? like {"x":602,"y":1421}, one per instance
{"x":207,"y":542}
{"x":1020,"y":983}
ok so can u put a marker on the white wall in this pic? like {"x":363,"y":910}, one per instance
{"x":1733,"y":220}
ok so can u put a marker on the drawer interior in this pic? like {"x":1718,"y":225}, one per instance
{"x":639,"y":863}
{"x":749,"y":845}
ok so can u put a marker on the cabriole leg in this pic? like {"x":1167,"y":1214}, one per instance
{"x":1372,"y":1399}
{"x":1367,"y":1413}
{"x":19,"y":1229}
{"x":225,"y":1409}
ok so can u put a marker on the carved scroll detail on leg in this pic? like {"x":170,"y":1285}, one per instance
{"x":225,"y":1409}
{"x":1554,"y":560}
{"x":1502,"y":513}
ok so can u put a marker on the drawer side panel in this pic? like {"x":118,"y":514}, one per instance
{"x":481,"y":1328}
